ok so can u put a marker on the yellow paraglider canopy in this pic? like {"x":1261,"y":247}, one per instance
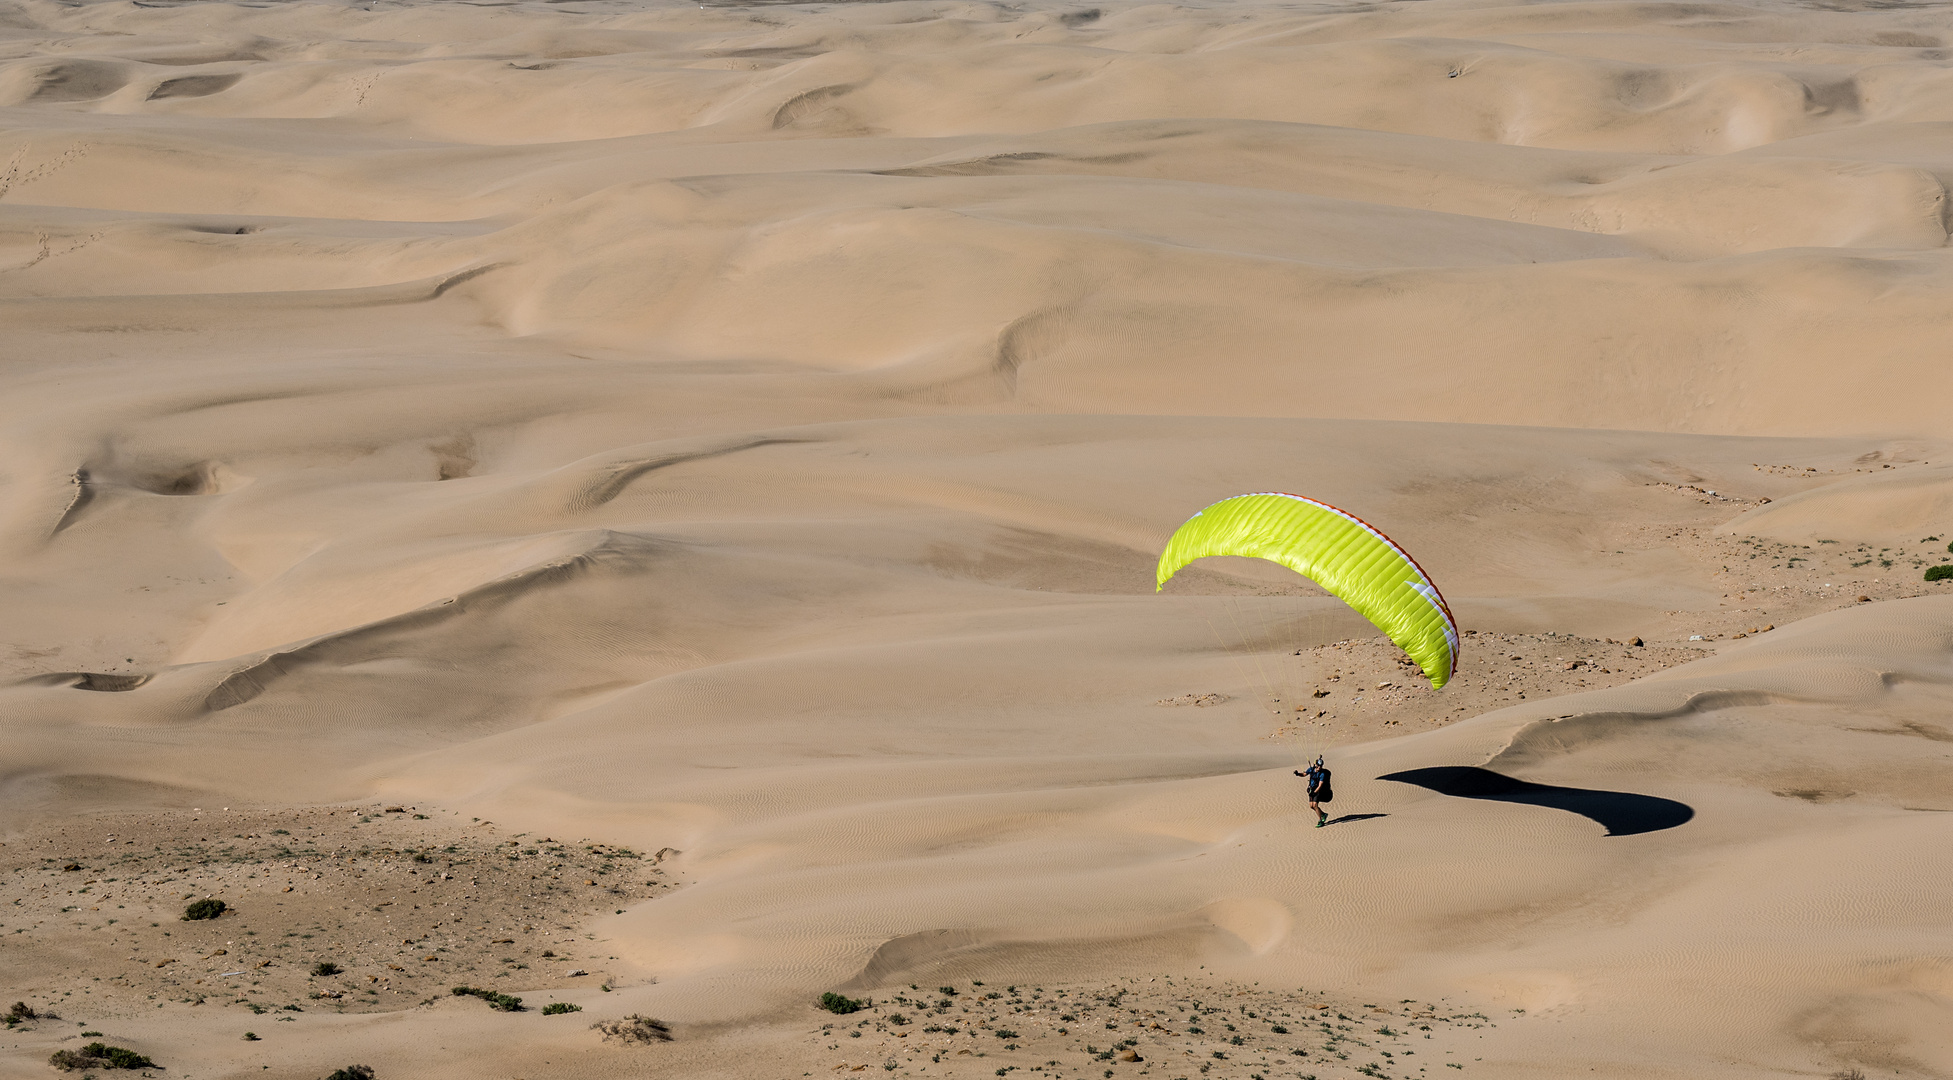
{"x":1337,"y":550}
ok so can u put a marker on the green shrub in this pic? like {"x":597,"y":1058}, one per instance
{"x":325,"y":967}
{"x":118,"y":1058}
{"x":352,"y":1072}
{"x":1935,"y":573}
{"x":839,"y":1005}
{"x":558,"y":1008}
{"x":206,"y":908}
{"x":99,"y":1056}
{"x":499,"y":1001}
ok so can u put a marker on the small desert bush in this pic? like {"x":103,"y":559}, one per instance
{"x":841,"y":1006}
{"x":99,"y":1056}
{"x":558,"y":1008}
{"x":1935,"y":573}
{"x":206,"y":908}
{"x":634,"y":1029}
{"x":499,"y":1001}
{"x":325,"y":967}
{"x":352,"y":1072}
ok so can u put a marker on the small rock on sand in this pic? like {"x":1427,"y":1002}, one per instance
{"x":1200,"y":700}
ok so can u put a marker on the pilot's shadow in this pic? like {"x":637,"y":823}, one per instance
{"x":1622,"y":813}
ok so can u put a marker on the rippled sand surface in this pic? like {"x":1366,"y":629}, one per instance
{"x":748,"y":430}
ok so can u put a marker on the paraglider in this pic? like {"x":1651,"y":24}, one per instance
{"x":1320,"y":790}
{"x":1337,"y":550}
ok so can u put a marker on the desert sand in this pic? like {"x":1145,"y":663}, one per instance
{"x":654,"y":507}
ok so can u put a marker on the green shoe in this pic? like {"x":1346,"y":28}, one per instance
{"x":1320,"y":822}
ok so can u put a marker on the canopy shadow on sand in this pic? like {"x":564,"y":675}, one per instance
{"x":1622,"y":813}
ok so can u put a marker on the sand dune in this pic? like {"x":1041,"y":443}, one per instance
{"x":742,"y":435}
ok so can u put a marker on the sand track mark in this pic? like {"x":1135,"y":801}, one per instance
{"x":14,"y":176}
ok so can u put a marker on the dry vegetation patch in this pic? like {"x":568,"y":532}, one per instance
{"x":352,"y":909}
{"x":634,"y":1029}
{"x":1166,"y":1026}
{"x":1365,"y":688}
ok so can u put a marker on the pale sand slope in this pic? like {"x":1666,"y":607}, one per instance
{"x":749,"y":430}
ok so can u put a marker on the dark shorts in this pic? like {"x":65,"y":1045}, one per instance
{"x":1322,"y":795}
